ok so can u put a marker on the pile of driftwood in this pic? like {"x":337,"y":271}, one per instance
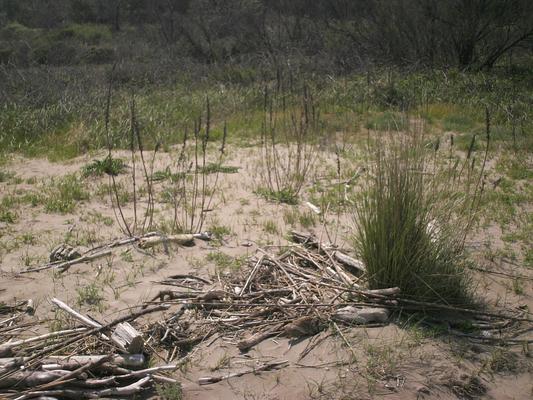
{"x":294,"y":294}
{"x":89,"y":361}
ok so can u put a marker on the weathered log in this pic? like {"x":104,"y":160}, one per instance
{"x":363,"y":316}
{"x":182,"y":239}
{"x":393,"y":291}
{"x":128,"y":338}
{"x":304,"y":326}
{"x":63,"y":267}
{"x":26,"y":379}
{"x":248,"y":343}
{"x":73,"y":362}
{"x":129,"y":390}
{"x":355,"y":266}
{"x":7,"y":348}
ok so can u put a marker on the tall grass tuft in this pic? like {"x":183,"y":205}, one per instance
{"x":408,"y":224}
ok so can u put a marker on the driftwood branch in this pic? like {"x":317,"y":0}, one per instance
{"x":264,"y":367}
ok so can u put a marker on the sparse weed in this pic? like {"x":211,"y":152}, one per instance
{"x":63,"y":193}
{"x":212,"y":168}
{"x":223,"y":261}
{"x":271,"y":227}
{"x":169,"y":391}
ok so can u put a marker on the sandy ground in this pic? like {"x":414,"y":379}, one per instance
{"x":395,"y":361}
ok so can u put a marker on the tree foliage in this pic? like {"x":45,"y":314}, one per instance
{"x":469,"y":34}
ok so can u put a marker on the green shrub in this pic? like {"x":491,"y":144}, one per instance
{"x":402,"y":235}
{"x":98,"y":55}
{"x":108,"y":166}
{"x":15,"y":31}
{"x":457,"y":123}
{"x":92,"y":34}
{"x":387,"y":121}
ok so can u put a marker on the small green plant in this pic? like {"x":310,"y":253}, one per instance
{"x":223,"y":362}
{"x":518,"y":287}
{"x":167,"y":174}
{"x":91,"y":295}
{"x":6,"y":176}
{"x":219,"y":231}
{"x":108,"y":166}
{"x":223,"y":260}
{"x":7,"y":216}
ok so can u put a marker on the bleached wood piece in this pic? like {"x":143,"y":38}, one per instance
{"x":393,"y":291}
{"x":28,"y":379}
{"x":128,"y":338}
{"x":367,"y":315}
{"x":80,"y":317}
{"x":313,"y":208}
{"x":124,"y":391}
{"x":87,"y":321}
{"x":72,"y":362}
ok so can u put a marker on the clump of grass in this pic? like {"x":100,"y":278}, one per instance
{"x":6,"y":176}
{"x":219,"y":231}
{"x":307,"y":219}
{"x":167,"y":174}
{"x":286,"y":195}
{"x":108,"y":166}
{"x":63,"y":194}
{"x":387,"y":121}
{"x":458,"y":123}
{"x":402,"y":232}
{"x":7,"y":216}
{"x":213,"y":168}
